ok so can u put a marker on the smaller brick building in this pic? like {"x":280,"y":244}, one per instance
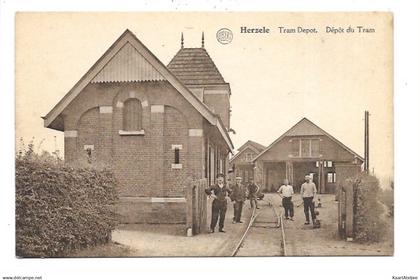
{"x":155,"y":126}
{"x":306,"y":149}
{"x":241,"y":163}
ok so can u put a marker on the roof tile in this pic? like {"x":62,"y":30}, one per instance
{"x":194,"y":66}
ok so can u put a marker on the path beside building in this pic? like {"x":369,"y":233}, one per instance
{"x":171,"y":240}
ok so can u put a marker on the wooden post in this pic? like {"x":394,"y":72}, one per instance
{"x":189,"y":210}
{"x":289,"y":172}
{"x":322,"y":186}
{"x":349,"y":210}
{"x":202,"y":206}
{"x":339,"y":215}
{"x":196,"y":211}
{"x":319,"y":176}
{"x":366,"y":165}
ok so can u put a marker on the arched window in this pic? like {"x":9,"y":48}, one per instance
{"x":132,"y":115}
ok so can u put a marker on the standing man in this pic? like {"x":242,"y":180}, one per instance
{"x":308,"y":192}
{"x":238,"y":197}
{"x":286,"y":193}
{"x":219,"y":193}
{"x":252,"y":193}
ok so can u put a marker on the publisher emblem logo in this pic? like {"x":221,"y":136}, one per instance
{"x":224,"y":36}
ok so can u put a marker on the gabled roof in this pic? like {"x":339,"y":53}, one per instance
{"x":128,"y":65}
{"x":307,"y":128}
{"x":256,"y":147}
{"x":145,"y":58}
{"x":194,"y":66}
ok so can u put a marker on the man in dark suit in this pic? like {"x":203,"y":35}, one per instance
{"x":238,"y":197}
{"x":219,"y":193}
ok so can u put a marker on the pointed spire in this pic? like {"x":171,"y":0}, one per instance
{"x":202,"y":40}
{"x":182,"y":40}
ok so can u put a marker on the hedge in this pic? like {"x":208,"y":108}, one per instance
{"x":369,"y":223}
{"x":387,"y":198}
{"x":60,"y":209}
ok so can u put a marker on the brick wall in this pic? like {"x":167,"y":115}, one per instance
{"x":141,"y":163}
{"x":143,"y":210}
{"x":175,"y":133}
{"x":219,"y":103}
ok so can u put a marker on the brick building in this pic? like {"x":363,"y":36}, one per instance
{"x":241,"y":163}
{"x":155,"y":126}
{"x":306,"y":149}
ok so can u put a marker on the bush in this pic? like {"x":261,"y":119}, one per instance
{"x":369,"y":225}
{"x":59,"y":208}
{"x":387,"y":198}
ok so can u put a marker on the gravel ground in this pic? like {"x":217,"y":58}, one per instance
{"x":110,"y":250}
{"x":171,"y":240}
{"x":264,"y":237}
{"x":301,"y":240}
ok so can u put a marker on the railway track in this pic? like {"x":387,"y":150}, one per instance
{"x":264,"y":235}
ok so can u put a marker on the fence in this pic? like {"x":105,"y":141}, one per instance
{"x":196,"y":207}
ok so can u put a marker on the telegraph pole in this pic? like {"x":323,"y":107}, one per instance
{"x":366,"y":165}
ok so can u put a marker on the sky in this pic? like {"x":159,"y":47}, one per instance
{"x":276,"y":78}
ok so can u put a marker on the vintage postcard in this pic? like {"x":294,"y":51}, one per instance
{"x":204,"y":134}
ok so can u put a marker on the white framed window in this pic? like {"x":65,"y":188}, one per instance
{"x":305,"y":148}
{"x":331,"y":177}
{"x":249,"y":157}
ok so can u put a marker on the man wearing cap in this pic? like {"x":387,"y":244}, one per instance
{"x":219,"y":193}
{"x":308,"y":192}
{"x":286,"y":193}
{"x":238,"y":197}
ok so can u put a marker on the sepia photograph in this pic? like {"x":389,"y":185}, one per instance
{"x":198,"y":134}
{"x":145,"y":142}
{"x":209,"y":139}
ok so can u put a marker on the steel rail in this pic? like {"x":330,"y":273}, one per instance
{"x":280,"y":223}
{"x":283,"y":236}
{"x":251,"y":221}
{"x":278,"y":216}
